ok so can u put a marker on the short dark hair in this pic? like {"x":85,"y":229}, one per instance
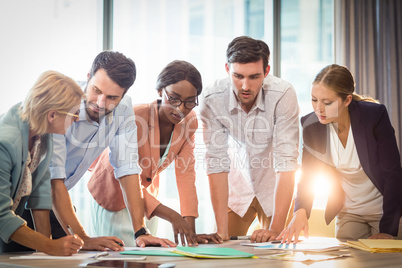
{"x":118,"y":67}
{"x":177,"y":71}
{"x":244,"y":49}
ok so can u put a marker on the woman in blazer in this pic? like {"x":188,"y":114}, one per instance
{"x":166,"y":133}
{"x":25,"y":151}
{"x":350,"y":140}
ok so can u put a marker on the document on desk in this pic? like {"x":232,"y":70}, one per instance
{"x":377,"y":245}
{"x":311,"y":244}
{"x":248,"y":244}
{"x":212,"y":253}
{"x":152,"y":252}
{"x":80,"y":256}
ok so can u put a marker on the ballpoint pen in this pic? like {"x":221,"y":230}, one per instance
{"x":101,"y":254}
{"x":70,"y":230}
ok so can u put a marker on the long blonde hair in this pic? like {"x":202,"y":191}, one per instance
{"x":52,"y":91}
{"x":340,"y":80}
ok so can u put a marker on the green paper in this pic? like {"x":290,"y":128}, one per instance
{"x":151,"y":253}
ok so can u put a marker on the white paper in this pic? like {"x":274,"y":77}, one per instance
{"x":80,"y":256}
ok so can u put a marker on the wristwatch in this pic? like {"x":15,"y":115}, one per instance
{"x":142,"y":231}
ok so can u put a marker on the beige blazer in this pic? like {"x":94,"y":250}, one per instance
{"x":106,"y":190}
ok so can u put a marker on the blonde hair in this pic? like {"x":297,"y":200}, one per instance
{"x":340,"y":80}
{"x":52,"y":91}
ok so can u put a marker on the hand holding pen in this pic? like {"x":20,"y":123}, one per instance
{"x":100,"y":243}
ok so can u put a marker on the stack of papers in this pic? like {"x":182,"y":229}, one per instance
{"x":377,"y":245}
{"x":312,"y":244}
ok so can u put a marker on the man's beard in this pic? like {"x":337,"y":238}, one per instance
{"x":96,"y":116}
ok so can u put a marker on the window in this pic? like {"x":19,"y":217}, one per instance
{"x":306,"y":48}
{"x":45,"y":35}
{"x":67,"y":35}
{"x":156,"y":32}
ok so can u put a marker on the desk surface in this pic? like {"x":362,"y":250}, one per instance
{"x":358,"y":259}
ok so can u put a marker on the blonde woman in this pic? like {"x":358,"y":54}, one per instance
{"x":349,"y":139}
{"x":26,"y":144}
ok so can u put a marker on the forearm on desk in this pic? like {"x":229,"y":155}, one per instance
{"x":283,"y":198}
{"x":64,"y":210}
{"x":133,"y":199}
{"x":219,"y":188}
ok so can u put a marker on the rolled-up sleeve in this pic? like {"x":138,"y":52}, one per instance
{"x":124,"y":148}
{"x":216,"y":141}
{"x":286,"y":132}
{"x":58,"y":163}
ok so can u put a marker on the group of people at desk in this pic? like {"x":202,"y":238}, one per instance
{"x":250,"y":122}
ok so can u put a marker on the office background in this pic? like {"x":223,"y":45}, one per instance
{"x":303,"y":35}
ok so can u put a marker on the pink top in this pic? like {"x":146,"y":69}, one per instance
{"x":106,"y":190}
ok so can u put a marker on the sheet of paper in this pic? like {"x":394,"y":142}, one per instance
{"x":306,"y":258}
{"x":248,"y":244}
{"x":152,"y":252}
{"x":377,"y":245}
{"x":382,"y":243}
{"x":40,"y":255}
{"x":79,"y":256}
{"x":147,"y":248}
{"x":256,"y":244}
{"x":312,"y":244}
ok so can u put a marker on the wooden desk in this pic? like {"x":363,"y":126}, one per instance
{"x":359,"y":259}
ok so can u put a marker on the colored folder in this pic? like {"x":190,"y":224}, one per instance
{"x":377,"y":245}
{"x":212,"y":253}
{"x":195,"y":252}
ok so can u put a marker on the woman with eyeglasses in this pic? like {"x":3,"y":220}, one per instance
{"x":166,"y":134}
{"x":26,"y":146}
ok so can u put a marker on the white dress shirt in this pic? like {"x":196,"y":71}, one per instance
{"x":252,"y":146}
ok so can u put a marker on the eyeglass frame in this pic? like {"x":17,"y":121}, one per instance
{"x":76,"y":116}
{"x":181,"y":101}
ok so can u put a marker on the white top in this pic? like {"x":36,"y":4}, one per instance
{"x":361,"y":196}
{"x":252,"y":146}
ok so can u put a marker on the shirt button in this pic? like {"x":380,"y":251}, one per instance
{"x":149,"y":179}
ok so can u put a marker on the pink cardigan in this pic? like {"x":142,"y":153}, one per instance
{"x":106,"y":190}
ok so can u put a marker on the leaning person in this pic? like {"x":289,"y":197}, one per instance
{"x":26,"y":145}
{"x":349,"y":139}
{"x":166,"y":134}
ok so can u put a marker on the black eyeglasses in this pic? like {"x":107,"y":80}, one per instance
{"x":177,"y":102}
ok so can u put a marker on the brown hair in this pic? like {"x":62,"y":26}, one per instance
{"x":340,"y":80}
{"x":244,"y":49}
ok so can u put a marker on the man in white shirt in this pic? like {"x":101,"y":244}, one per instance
{"x":106,"y":120}
{"x":251,"y":131}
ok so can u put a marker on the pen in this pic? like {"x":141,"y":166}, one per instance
{"x":101,"y":254}
{"x":70,"y":230}
{"x":240,"y":237}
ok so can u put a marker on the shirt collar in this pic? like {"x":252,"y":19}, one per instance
{"x":234,"y":103}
